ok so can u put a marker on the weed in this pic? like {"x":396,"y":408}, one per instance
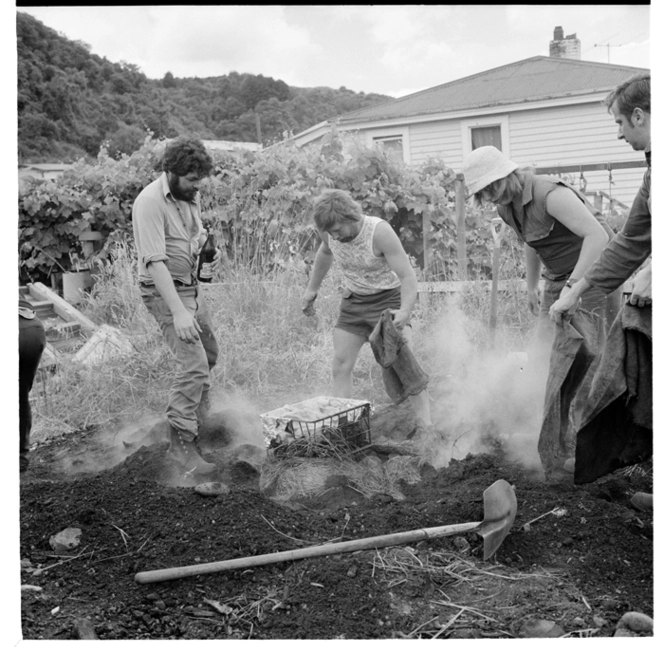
{"x":270,"y":353}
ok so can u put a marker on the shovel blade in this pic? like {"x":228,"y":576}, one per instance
{"x":499,"y":513}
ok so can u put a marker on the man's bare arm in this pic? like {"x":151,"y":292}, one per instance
{"x":387,"y":243}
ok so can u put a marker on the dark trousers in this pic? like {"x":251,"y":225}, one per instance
{"x":31,"y":344}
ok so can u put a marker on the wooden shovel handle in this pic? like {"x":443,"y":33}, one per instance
{"x":381,"y":541}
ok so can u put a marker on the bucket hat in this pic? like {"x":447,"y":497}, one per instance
{"x":485,"y":165}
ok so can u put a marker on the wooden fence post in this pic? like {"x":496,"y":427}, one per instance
{"x":426,"y":227}
{"x":423,"y":297}
{"x":598,"y":201}
{"x":460,"y":206}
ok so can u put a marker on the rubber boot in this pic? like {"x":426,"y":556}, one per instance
{"x":184,"y":451}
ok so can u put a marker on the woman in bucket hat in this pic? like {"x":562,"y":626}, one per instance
{"x":562,"y":232}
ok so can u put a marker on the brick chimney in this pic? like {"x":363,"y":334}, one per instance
{"x":564,"y":47}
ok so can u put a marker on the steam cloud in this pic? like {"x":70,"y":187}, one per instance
{"x":488,"y":392}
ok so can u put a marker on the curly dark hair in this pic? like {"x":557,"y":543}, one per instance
{"x":185,"y":155}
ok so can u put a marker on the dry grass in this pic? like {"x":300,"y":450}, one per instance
{"x":237,"y":616}
{"x":270,"y":353}
{"x":642,"y":470}
{"x":469,"y":593}
{"x":299,"y":477}
{"x":331,"y":442}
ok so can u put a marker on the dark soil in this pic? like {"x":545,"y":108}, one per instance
{"x":581,"y":570}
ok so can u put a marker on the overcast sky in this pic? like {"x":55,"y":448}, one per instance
{"x":393,"y":49}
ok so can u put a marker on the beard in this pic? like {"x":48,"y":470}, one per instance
{"x":178,"y":191}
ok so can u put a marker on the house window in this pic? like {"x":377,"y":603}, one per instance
{"x":482,"y":136}
{"x":392,"y":145}
{"x":482,"y":131}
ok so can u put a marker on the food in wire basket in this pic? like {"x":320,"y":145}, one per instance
{"x":318,"y":420}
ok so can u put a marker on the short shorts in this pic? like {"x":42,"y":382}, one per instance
{"x":359,"y":313}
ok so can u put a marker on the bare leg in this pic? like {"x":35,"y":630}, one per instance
{"x":346,"y":349}
{"x":419,"y":402}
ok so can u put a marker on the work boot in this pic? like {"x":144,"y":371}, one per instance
{"x":184,"y":451}
{"x":569,"y":465}
{"x":642,"y":501}
{"x":421,"y":432}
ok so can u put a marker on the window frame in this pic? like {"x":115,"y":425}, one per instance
{"x":501,"y":121}
{"x":394,"y":133}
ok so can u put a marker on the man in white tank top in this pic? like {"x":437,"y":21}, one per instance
{"x":377,"y":275}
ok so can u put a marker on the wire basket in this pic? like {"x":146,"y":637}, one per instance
{"x":346,"y":426}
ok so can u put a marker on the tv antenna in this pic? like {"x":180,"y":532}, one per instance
{"x":608,"y":47}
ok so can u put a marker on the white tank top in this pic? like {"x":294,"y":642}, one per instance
{"x":363,"y":271}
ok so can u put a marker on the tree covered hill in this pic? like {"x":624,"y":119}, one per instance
{"x":70,"y":101}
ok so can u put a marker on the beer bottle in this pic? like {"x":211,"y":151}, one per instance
{"x":205,"y":259}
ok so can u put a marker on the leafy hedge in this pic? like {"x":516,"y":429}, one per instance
{"x":259,"y":202}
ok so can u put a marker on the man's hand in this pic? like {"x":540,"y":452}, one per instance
{"x":400,"y":318}
{"x":308,"y":299}
{"x":534,"y":301}
{"x":216,"y":261}
{"x":186,"y":327}
{"x":642,"y":288}
{"x":566,"y":305}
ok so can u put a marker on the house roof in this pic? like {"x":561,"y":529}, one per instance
{"x":534,"y":79}
{"x":47,"y":167}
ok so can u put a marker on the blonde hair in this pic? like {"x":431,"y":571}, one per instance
{"x":506,"y":188}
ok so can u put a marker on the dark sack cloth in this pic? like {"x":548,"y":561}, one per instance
{"x":575,"y":345}
{"x":402,"y":374}
{"x":616,"y":425}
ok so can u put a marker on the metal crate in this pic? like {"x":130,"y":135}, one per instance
{"x":350,"y":426}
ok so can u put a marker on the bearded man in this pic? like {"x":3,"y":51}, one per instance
{"x":169,"y":234}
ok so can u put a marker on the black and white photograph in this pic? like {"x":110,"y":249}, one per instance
{"x":335,"y":323}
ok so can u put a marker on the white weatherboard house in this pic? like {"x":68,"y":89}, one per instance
{"x":542,"y":111}
{"x":231,"y":145}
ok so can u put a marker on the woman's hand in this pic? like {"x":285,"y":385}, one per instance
{"x":566,"y":304}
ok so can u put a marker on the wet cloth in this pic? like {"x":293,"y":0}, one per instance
{"x":594,"y":300}
{"x":576,"y":344}
{"x":402,"y":374}
{"x":616,"y":426}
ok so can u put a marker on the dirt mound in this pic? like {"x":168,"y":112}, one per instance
{"x":577,"y":557}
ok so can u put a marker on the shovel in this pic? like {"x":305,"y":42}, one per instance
{"x":497,"y":226}
{"x":499,"y":513}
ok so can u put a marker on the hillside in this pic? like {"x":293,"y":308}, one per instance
{"x":70,"y":101}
